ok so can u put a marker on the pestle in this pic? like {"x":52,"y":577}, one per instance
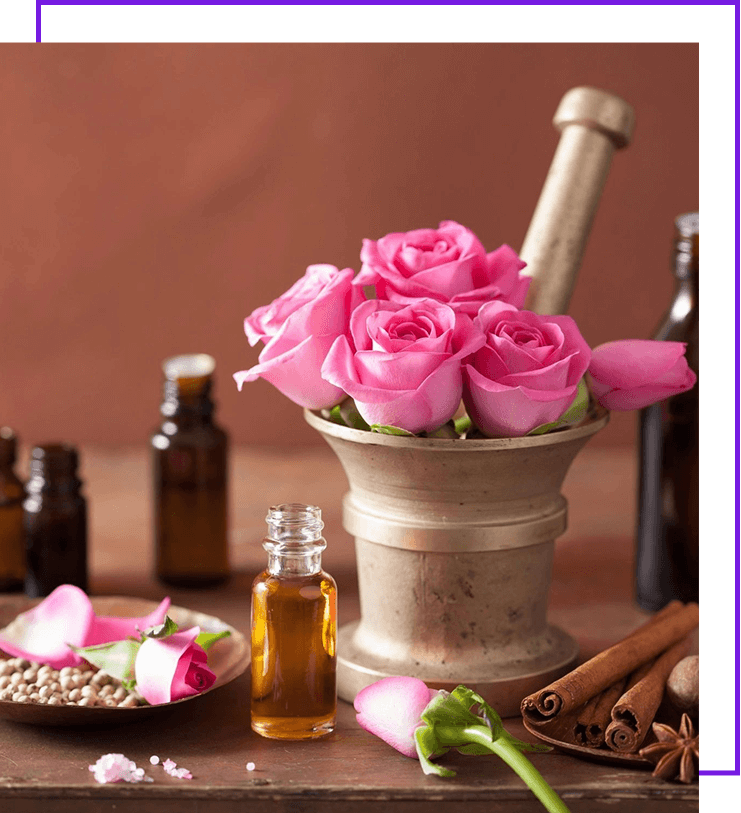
{"x":593,"y":125}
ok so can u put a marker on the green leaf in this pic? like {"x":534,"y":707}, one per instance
{"x":333,"y":415}
{"x":462,"y":424}
{"x":208,"y":639}
{"x":350,"y":416}
{"x":390,"y":430}
{"x":574,"y":414}
{"x":427,"y":746}
{"x":163,"y":630}
{"x":116,"y":658}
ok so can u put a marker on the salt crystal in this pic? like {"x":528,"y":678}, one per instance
{"x":154,"y":760}
{"x":117,"y":768}
{"x":172,"y":769}
{"x":250,"y":766}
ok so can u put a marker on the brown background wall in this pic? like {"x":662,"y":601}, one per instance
{"x":154,"y":195}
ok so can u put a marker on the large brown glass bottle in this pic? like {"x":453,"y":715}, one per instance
{"x":55,"y":521}
{"x":190,"y":478}
{"x":12,"y":553}
{"x":667,"y":551}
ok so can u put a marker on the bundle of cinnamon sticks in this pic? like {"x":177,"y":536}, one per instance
{"x":613,"y":698}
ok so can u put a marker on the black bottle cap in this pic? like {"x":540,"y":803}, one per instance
{"x":8,"y":445}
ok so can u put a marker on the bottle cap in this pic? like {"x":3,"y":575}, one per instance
{"x":688,"y":224}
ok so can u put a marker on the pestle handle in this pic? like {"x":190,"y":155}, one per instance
{"x":593,"y":125}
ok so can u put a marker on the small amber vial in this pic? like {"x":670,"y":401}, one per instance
{"x":189,"y":462}
{"x":12,"y":553}
{"x":294,"y":627}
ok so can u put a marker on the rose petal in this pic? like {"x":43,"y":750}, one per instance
{"x":110,"y":628}
{"x":391,"y":709}
{"x":43,"y":633}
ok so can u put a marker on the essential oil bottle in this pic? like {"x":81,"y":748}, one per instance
{"x":189,"y":462}
{"x":294,"y":624}
{"x":12,"y":544}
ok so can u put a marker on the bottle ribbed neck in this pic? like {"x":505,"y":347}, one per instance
{"x":53,"y":466}
{"x":294,"y":542}
{"x":687,"y":246}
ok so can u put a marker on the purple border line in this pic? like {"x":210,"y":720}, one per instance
{"x":736,"y":771}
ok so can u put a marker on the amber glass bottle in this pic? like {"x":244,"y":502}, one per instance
{"x":667,"y":558}
{"x":190,"y":478}
{"x":12,"y":553}
{"x":294,"y":623}
{"x":55,"y":521}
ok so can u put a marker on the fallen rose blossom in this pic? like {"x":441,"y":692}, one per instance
{"x":117,"y":768}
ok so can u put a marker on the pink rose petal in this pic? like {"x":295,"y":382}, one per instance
{"x":112,"y":628}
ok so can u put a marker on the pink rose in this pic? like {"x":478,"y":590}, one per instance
{"x":448,"y":264}
{"x":403,"y":367}
{"x":298,"y":329}
{"x":65,"y":617}
{"x":391,"y":709}
{"x":171,"y":668}
{"x":526,"y":374}
{"x":633,"y":373}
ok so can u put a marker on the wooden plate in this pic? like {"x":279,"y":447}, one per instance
{"x":228,"y":658}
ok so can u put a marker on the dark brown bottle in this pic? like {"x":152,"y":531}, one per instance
{"x":667,"y":552}
{"x":190,"y":478}
{"x":12,"y":552}
{"x":54,"y":521}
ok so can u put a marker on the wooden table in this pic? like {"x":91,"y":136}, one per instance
{"x":45,"y":769}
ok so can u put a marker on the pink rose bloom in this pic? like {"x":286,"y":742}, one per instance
{"x":526,"y":374}
{"x":448,"y":264}
{"x":298,"y":329}
{"x":65,"y":617}
{"x":391,"y":709}
{"x":403,"y":367}
{"x":168,"y":669}
{"x":634,"y":373}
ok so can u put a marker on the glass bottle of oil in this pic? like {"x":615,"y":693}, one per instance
{"x":294,"y":623}
{"x":12,"y":545}
{"x":667,"y":549}
{"x":189,"y":455}
{"x":54,"y":521}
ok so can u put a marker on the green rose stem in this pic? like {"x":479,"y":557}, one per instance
{"x":450,"y":723}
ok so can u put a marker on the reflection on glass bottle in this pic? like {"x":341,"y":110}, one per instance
{"x":12,"y":553}
{"x":667,"y":552}
{"x":294,"y":626}
{"x":190,"y":478}
{"x":55,"y":521}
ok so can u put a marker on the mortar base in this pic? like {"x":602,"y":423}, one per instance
{"x":357,"y":669}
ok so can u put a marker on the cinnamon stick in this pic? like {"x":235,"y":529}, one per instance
{"x":634,"y":712}
{"x":593,"y":719}
{"x":583,"y":683}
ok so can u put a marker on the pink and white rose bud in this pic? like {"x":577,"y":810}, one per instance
{"x":298,"y":329}
{"x":391,"y":709}
{"x":527,"y":373}
{"x":634,"y":373}
{"x":402,"y":362}
{"x":169,"y":669}
{"x":447,"y":264}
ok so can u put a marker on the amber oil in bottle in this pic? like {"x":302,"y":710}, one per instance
{"x":294,"y":623}
{"x":12,"y":552}
{"x":189,"y":457}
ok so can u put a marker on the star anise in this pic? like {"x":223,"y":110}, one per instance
{"x":676,"y":754}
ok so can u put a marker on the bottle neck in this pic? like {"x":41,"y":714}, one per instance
{"x":294,"y":542}
{"x":53,"y":469}
{"x":188,"y":404}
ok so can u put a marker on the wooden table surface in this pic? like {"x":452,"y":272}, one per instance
{"x":47,"y":769}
